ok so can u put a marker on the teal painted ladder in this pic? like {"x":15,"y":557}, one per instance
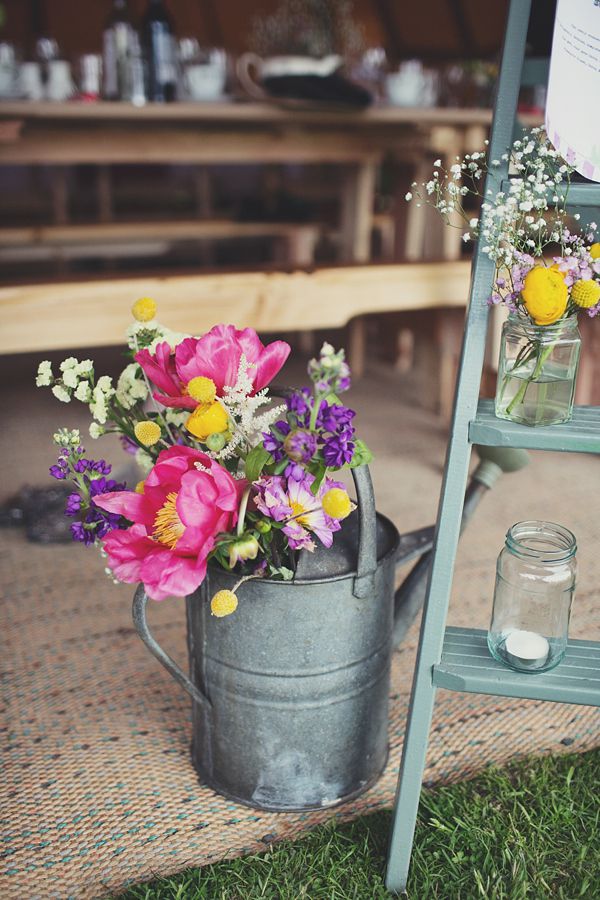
{"x":457,"y":659}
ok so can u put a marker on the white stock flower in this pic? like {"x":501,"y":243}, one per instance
{"x":84,"y":392}
{"x":61,"y":393}
{"x":98,"y":404}
{"x":104,"y":384}
{"x":66,"y":437}
{"x":408,"y":196}
{"x":70,"y":378}
{"x":96,"y":430}
{"x":68,"y":363}
{"x":85,"y":367}
{"x":130,"y":388}
{"x":44,"y":374}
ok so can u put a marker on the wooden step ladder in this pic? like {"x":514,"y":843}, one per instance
{"x":455,"y":658}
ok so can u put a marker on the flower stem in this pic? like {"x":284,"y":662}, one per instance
{"x":542,"y":357}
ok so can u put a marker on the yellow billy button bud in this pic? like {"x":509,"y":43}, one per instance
{"x":595,"y":250}
{"x":139,"y":488}
{"x":223,"y":604}
{"x":585,"y":293}
{"x":202,"y":389}
{"x":148,"y":433}
{"x":205,"y":420}
{"x":336,"y":503}
{"x":545,"y":295}
{"x":144,"y":309}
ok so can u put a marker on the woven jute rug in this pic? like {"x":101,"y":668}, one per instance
{"x":98,"y":790}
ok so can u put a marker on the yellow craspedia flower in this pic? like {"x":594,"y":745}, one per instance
{"x":585,"y":293}
{"x":595,"y":250}
{"x":139,"y":488}
{"x":144,"y":309}
{"x":202,"y":389}
{"x":207,"y":419}
{"x":545,"y":295}
{"x":337,"y":503}
{"x":147,"y":433}
{"x":223,"y":604}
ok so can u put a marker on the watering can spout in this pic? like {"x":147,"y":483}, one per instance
{"x":494,"y":461}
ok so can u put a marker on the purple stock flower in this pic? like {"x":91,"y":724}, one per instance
{"x":336,"y":417}
{"x":297,"y":402}
{"x":273,"y":439}
{"x":58,"y":472}
{"x":73,"y":504}
{"x":337,"y":450}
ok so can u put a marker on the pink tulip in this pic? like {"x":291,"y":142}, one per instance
{"x":215,"y":355}
{"x":175,"y":522}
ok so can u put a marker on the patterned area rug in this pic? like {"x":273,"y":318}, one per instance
{"x":98,"y":789}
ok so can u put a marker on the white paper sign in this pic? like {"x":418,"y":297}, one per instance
{"x":572,"y":109}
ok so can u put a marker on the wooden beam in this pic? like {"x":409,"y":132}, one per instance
{"x":463,"y":27}
{"x":390,"y":29}
{"x":76,"y":314}
{"x":212,"y":24}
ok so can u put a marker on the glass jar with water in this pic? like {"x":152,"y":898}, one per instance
{"x":535,"y":585}
{"x":537,"y":371}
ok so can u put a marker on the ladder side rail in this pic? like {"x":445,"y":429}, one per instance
{"x":455,"y":474}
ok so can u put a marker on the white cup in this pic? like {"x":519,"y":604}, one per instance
{"x":204,"y":82}
{"x":60,"y":85}
{"x":406,"y":86}
{"x":30,"y":81}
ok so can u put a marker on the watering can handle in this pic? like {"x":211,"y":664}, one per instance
{"x":367,"y":533}
{"x":140,"y":600}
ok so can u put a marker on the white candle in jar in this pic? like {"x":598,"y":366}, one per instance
{"x":526,"y":649}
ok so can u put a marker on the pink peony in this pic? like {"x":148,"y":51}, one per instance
{"x":175,"y":522}
{"x":215,"y":355}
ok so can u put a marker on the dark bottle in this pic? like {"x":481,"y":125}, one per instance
{"x":158,"y":44}
{"x":120,"y":45}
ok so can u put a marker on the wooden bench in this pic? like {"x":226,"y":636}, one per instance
{"x":136,"y":238}
{"x":73,"y":314}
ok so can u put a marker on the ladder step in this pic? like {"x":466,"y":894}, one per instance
{"x":467,"y":665}
{"x":577,"y":193}
{"x":581,"y":434}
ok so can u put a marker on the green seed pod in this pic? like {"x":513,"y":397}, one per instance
{"x":216,"y":441}
{"x":262,"y":526}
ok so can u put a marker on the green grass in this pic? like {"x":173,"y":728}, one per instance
{"x":529,"y":831}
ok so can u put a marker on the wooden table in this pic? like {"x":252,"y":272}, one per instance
{"x":62,"y":134}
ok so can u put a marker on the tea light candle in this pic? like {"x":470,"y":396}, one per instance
{"x":526,"y":649}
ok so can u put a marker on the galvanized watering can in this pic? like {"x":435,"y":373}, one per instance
{"x":290,"y":693}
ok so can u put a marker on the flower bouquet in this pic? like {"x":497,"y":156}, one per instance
{"x":290,"y":693}
{"x":547,"y":270}
{"x":229,"y":475}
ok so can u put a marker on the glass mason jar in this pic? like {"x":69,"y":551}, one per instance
{"x":537,"y":371}
{"x":535,"y":585}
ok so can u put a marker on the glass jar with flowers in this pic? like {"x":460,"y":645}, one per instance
{"x":547,"y":270}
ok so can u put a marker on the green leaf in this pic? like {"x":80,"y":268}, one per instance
{"x":256,"y":460}
{"x":281,"y":466}
{"x":283,"y":572}
{"x":362,"y":455}
{"x":319,"y":472}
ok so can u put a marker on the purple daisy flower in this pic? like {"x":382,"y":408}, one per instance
{"x":292,"y":501}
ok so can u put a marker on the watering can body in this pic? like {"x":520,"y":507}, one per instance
{"x":291,"y":692}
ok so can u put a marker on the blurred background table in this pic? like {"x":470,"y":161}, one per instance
{"x":203,"y":135}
